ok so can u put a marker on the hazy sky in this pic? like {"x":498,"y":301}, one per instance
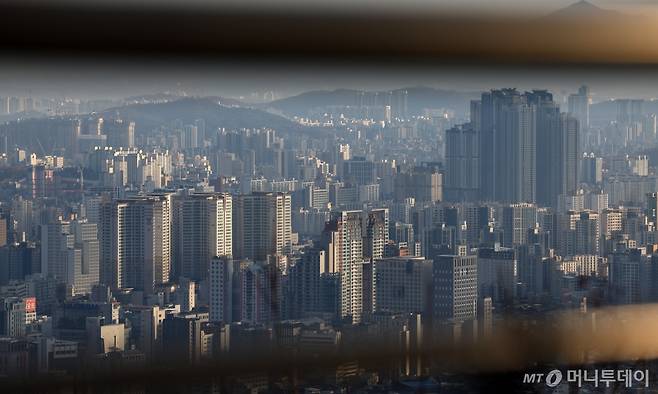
{"x":104,"y":78}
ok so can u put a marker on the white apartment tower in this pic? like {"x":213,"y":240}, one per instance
{"x":70,"y":252}
{"x":262,"y":225}
{"x":347,"y":227}
{"x":144,"y":241}
{"x":376,"y":233}
{"x":205,"y":231}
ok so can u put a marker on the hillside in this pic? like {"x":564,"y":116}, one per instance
{"x":150,"y":116}
{"x":584,"y":10}
{"x":418,"y":98}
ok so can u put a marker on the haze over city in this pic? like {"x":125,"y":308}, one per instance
{"x":211,"y":214}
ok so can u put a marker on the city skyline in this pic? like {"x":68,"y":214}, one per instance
{"x":199,"y":229}
{"x":368,"y":196}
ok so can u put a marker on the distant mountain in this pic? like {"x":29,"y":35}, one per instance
{"x":606,"y":111}
{"x":586,"y":11}
{"x":418,"y":98}
{"x":167,"y":96}
{"x":302,"y":103}
{"x":424,"y":97}
{"x":150,"y":116}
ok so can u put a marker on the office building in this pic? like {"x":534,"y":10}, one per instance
{"x":15,"y":314}
{"x":359,"y":171}
{"x":497,"y":272}
{"x":626,"y":275}
{"x":183,"y":335}
{"x":402,"y":284}
{"x":517,"y":219}
{"x":455,"y":287}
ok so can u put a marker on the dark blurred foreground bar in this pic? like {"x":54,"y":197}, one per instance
{"x":148,"y":29}
{"x":604,"y":336}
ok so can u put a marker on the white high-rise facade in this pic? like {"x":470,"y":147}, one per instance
{"x":349,"y":262}
{"x":205,"y":231}
{"x":70,"y":252}
{"x":144,"y":241}
{"x":262,"y":225}
{"x":376,"y":233}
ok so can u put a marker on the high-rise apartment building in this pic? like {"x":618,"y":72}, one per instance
{"x":110,"y":270}
{"x":304,"y":283}
{"x":262,"y":225}
{"x":259,"y":293}
{"x":629,"y":110}
{"x":557,"y":152}
{"x":652,"y":207}
{"x":487,"y":117}
{"x":55,"y":242}
{"x":86,"y":274}
{"x":144,"y":241}
{"x":423,"y":183}
{"x":70,"y":253}
{"x":376,"y":234}
{"x":120,"y":133}
{"x":587,"y":233}
{"x":579,"y":104}
{"x":189,"y":137}
{"x":220,"y":285}
{"x":580,"y":232}
{"x":462,"y":163}
{"x":515,"y":154}
{"x":524,"y":144}
{"x":347,"y":245}
{"x":592,"y":169}
{"x":205,"y":228}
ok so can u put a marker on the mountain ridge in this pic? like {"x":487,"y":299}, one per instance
{"x":584,"y":10}
{"x":149,"y":116}
{"x":418,"y":98}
